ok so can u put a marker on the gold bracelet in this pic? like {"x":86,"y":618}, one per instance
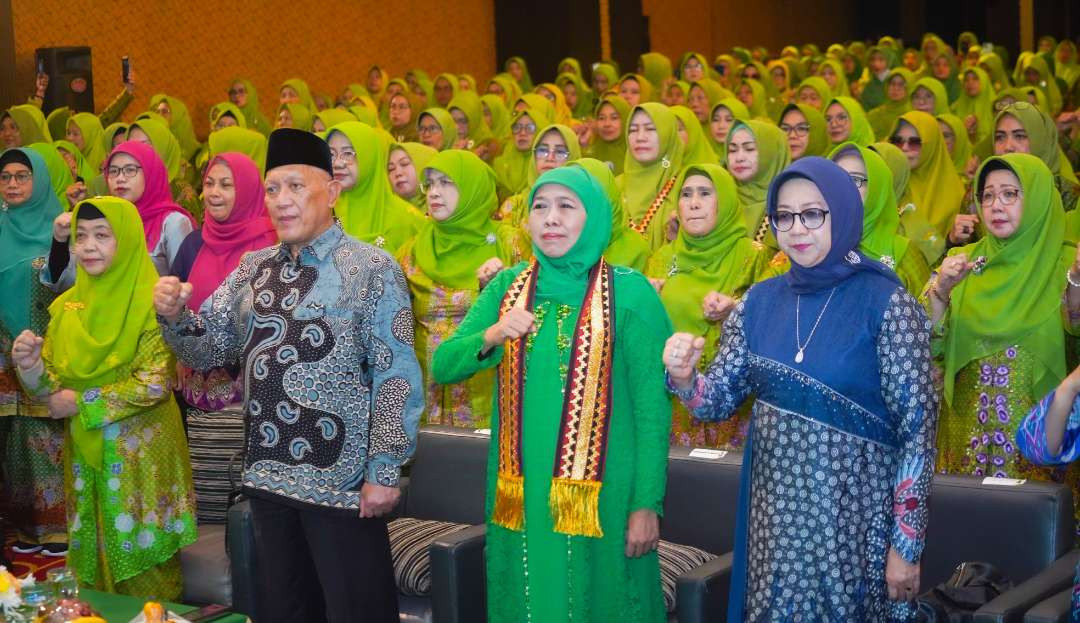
{"x":937,"y":293}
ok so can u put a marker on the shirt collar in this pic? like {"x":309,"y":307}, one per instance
{"x":320,"y":248}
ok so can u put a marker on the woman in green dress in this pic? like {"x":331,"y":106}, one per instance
{"x":608,"y":140}
{"x":756,"y":153}
{"x":654,"y":157}
{"x":175,"y":112}
{"x":700,"y":275}
{"x":554,"y":146}
{"x":455,"y":254}
{"x":881,"y":240}
{"x":404,"y":168}
{"x":1001,"y":308}
{"x":577,"y":543}
{"x":627,"y":247}
{"x":105,"y":368}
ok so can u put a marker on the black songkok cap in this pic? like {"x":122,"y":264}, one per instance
{"x":291,"y":146}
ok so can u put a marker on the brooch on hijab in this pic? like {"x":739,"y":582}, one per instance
{"x":664,"y":162}
{"x":490,"y":238}
{"x":979,"y":265}
{"x":379,"y":241}
{"x":888,"y":261}
{"x":852,"y":257}
{"x":907,"y":207}
{"x":674,"y":270}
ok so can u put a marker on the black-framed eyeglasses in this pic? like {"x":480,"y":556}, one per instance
{"x":428,"y":129}
{"x":800,"y":129}
{"x":127,"y":171}
{"x":860,"y":181}
{"x":543,"y":151}
{"x":20,"y":177}
{"x":523,"y":127}
{"x":811,"y":219}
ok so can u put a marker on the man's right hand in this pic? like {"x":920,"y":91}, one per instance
{"x":170,"y":296}
{"x":61,"y":229}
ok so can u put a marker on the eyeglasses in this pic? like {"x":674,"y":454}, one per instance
{"x":543,"y":151}
{"x":237,"y":91}
{"x":399,"y":107}
{"x":346,"y":156}
{"x":811,"y":219}
{"x":839,"y":118}
{"x":912,"y":141}
{"x":126,"y":171}
{"x":800,"y":129}
{"x":523,"y":127}
{"x":21,"y":177}
{"x":441,"y":183}
{"x":1006,"y":197}
{"x":428,"y":129}
{"x":860,"y":181}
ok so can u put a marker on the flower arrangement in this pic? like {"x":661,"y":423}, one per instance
{"x":11,"y":589}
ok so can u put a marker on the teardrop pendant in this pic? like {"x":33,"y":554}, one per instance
{"x":799,"y":356}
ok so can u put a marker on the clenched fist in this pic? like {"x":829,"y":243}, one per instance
{"x":717,"y":307}
{"x":170,"y":296}
{"x":26,"y":351}
{"x":514,"y":324}
{"x":681,"y":356}
{"x":488,"y":270}
{"x":61,"y":229}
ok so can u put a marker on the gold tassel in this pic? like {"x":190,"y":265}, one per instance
{"x":575,"y":507}
{"x":509,"y":509}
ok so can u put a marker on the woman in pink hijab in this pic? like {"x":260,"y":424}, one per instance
{"x":236,"y":223}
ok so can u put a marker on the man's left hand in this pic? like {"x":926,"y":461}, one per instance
{"x":377,"y":500}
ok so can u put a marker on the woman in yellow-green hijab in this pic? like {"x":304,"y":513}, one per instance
{"x":514,"y":166}
{"x":296,"y":91}
{"x":698,"y":149}
{"x":436,"y":129}
{"x":176,"y":113}
{"x":242,"y":93}
{"x":832,"y":70}
{"x":756,"y":153}
{"x":85,"y":131}
{"x":656,"y":68}
{"x":24,"y":124}
{"x":627,"y":247}
{"x":367,"y":207}
{"x":516,"y":67}
{"x":405,"y":167}
{"x":653,"y":158}
{"x":473,"y":132}
{"x":898,"y":87}
{"x":554,"y":146}
{"x":455,"y":253}
{"x":104,"y":358}
{"x":975,"y":105}
{"x":752,"y":94}
{"x":608,"y":142}
{"x":445,"y":89}
{"x":291,"y":115}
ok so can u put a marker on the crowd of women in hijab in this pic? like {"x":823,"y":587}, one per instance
{"x":611,"y":263}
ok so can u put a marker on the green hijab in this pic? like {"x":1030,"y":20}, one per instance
{"x":301,"y":116}
{"x":941,"y":97}
{"x":627,"y":247}
{"x":304,"y":91}
{"x":25,"y":235}
{"x":698,"y":149}
{"x":445,"y":121}
{"x":537,"y":102}
{"x":708,"y":262}
{"x":1068,"y":70}
{"x":113,"y":129}
{"x":513,"y":165}
{"x":818,"y":84}
{"x":612,"y":152}
{"x":364,"y":114}
{"x":935,"y":189}
{"x":164,"y":143}
{"x":608,"y":71}
{"x":500,"y":116}
{"x":759,"y":104}
{"x":1016,"y":299}
{"x":641,"y":182}
{"x":450,"y":251}
{"x":738,"y":110}
{"x":773,"y":157}
{"x":94,"y":148}
{"x":861,"y":132}
{"x":219,"y":110}
{"x":82,"y":167}
{"x":31,"y":123}
{"x":881,"y":222}
{"x":992,"y":64}
{"x":568,"y":137}
{"x":1047,"y":83}
{"x":898,"y":166}
{"x":1042,"y":137}
{"x":469,"y":103}
{"x":59,"y":173}
{"x":962,"y":148}
{"x":255,"y":118}
{"x":370,"y":211}
{"x":94,"y":327}
{"x":584,"y":107}
{"x":241,"y":140}
{"x":645,"y":87}
{"x":883,"y":118}
{"x":180,"y":124}
{"x":57,"y":120}
{"x":656,"y":68}
{"x":331,"y":117}
{"x":981,"y":106}
{"x":841,"y":87}
{"x":421,"y":155}
{"x":511,"y":90}
{"x":574,"y":64}
{"x":566,"y":278}
{"x":817,"y":141}
{"x":526,"y":82}
{"x":455,"y":87}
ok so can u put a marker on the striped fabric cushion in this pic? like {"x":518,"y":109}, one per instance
{"x":409,"y":542}
{"x":213,"y":439}
{"x":676,"y":560}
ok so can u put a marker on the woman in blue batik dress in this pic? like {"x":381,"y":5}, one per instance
{"x":840,"y":455}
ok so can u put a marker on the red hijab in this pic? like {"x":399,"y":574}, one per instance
{"x":248,"y":228}
{"x":156,"y":202}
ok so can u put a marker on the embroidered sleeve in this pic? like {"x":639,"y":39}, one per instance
{"x":909,"y":394}
{"x":153,"y":371}
{"x":1031,"y":435}
{"x":716,"y":394}
{"x":396,"y":388}
{"x":210,"y":338}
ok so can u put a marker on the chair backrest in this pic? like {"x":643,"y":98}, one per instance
{"x":448,"y":475}
{"x":702,"y":492}
{"x":1019,"y":528}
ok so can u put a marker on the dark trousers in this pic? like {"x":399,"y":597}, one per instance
{"x":313,"y":566}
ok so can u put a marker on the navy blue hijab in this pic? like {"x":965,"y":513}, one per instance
{"x":845,"y":207}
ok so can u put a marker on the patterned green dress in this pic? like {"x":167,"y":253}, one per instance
{"x":128,"y":519}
